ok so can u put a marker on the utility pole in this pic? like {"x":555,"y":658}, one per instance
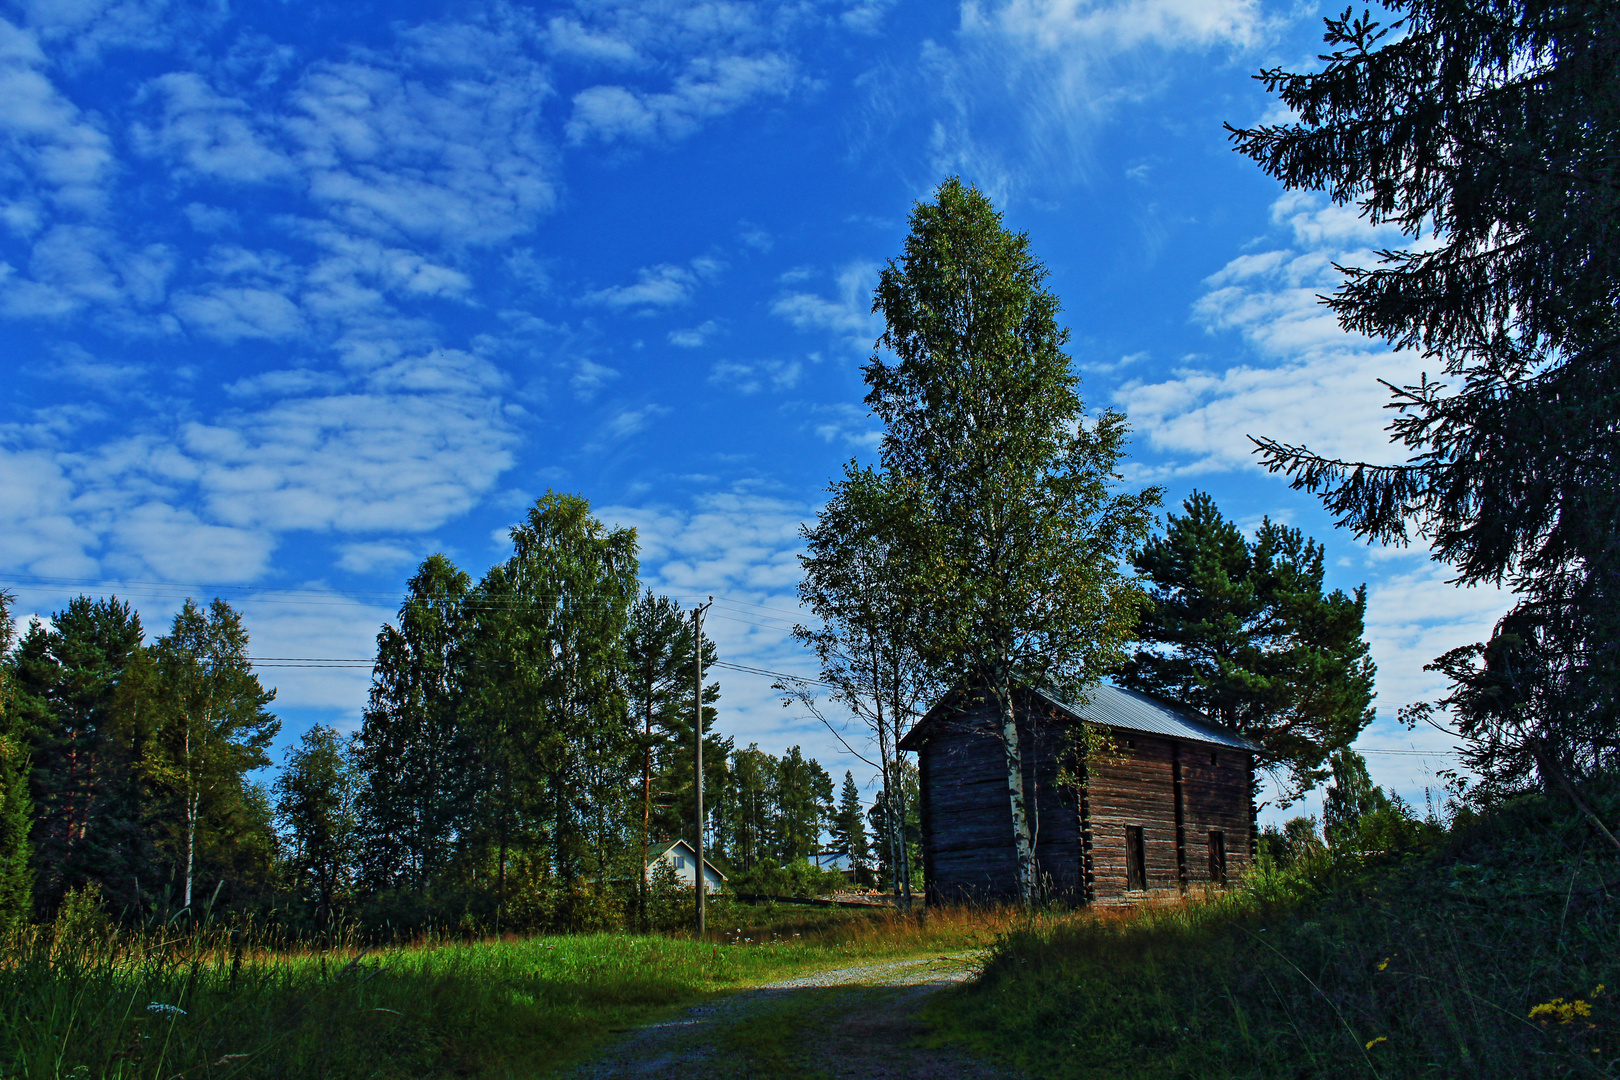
{"x":697,"y":772}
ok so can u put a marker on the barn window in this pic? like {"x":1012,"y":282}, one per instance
{"x":1135,"y":858}
{"x":1212,"y":758}
{"x":1217,"y":857}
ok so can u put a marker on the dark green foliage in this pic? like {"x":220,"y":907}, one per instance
{"x":752,"y":803}
{"x":898,"y":818}
{"x":411,"y":753}
{"x":1428,"y":960}
{"x":315,"y":808}
{"x":16,"y":805}
{"x":849,"y":827}
{"x":795,"y":877}
{"x":545,"y":651}
{"x":804,"y":794}
{"x":1496,"y":127}
{"x":1242,"y":631}
{"x":86,"y":786}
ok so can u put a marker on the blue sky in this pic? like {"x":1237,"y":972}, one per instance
{"x":293,"y":295}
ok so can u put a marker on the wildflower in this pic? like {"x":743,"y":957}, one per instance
{"x":1385,"y":964}
{"x":1559,"y":1009}
{"x":165,"y":1010}
{"x":1596,"y":990}
{"x":1375,"y":1042}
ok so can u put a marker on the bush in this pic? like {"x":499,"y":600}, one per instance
{"x":797,"y":878}
{"x":1490,"y":952}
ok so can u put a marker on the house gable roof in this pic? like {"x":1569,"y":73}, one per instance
{"x":1112,"y":707}
{"x":659,"y":850}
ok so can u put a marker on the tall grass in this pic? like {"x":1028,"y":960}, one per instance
{"x":1497,"y":955}
{"x":82,"y":1000}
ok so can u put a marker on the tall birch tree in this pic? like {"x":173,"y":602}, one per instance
{"x":214,"y":727}
{"x":1005,"y":494}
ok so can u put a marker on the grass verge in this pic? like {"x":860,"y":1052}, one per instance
{"x":1495,"y":955}
{"x":207,"y":1004}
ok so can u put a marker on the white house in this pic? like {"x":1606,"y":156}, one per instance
{"x":683,"y":859}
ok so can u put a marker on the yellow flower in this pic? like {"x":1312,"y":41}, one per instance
{"x":1385,"y":964}
{"x":1560,"y":1010}
{"x":1375,"y":1042}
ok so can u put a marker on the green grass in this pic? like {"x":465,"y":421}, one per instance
{"x":1426,"y":965}
{"x":80,"y":1005}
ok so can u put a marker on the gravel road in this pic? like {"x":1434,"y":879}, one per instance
{"x":855,"y":1022}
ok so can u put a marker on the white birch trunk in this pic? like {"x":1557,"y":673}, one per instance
{"x":1024,"y":849}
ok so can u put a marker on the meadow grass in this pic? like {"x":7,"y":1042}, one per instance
{"x":92,"y":1003}
{"x":1495,"y":955}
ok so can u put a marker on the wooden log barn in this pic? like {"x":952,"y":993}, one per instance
{"x":1171,"y":806}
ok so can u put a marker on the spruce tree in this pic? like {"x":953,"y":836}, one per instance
{"x":412,"y":753}
{"x":16,"y":805}
{"x":1488,"y":132}
{"x":804,"y":794}
{"x":849,"y":826}
{"x":1242,"y":631}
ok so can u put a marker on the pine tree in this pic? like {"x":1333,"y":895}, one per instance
{"x":85,"y":782}
{"x":412,"y":752}
{"x":1242,"y":631}
{"x":1493,"y":128}
{"x":1000,"y":490}
{"x":315,"y":808}
{"x":16,"y":805}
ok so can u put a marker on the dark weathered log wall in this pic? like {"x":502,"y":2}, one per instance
{"x":1172,"y":789}
{"x":969,"y":855}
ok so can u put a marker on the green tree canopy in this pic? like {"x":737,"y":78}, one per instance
{"x":16,"y":804}
{"x":1242,"y":631}
{"x":412,"y":753}
{"x":212,"y":731}
{"x":1493,"y":127}
{"x":1001,"y":491}
{"x":315,"y":807}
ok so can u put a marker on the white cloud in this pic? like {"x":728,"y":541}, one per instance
{"x":207,"y":133}
{"x":628,"y":422}
{"x":1307,"y":380}
{"x":590,"y":377}
{"x":848,"y":317}
{"x":849,"y":424}
{"x":363,"y":558}
{"x":64,"y":157}
{"x":567,"y":37}
{"x":231,"y":314}
{"x":1017,"y":96}
{"x":709,"y":87}
{"x":658,"y":286}
{"x":754,"y":377}
{"x":694,"y":336}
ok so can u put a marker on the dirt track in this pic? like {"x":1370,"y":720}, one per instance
{"x":856,"y":1022}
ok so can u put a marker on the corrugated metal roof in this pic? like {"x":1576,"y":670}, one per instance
{"x":1113,"y":706}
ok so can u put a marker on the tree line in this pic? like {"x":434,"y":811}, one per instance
{"x":526,"y":737}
